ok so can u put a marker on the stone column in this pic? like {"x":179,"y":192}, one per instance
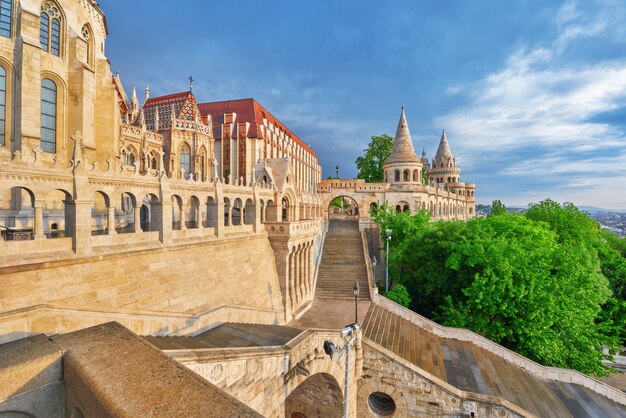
{"x":137,"y":218}
{"x":307,"y":259}
{"x":183,"y":220}
{"x":291,"y":280}
{"x":162,"y":216}
{"x":38,"y":221}
{"x":78,"y":224}
{"x":298,"y":277}
{"x":219,"y":216}
{"x":302,"y":274}
{"x":111,"y":220}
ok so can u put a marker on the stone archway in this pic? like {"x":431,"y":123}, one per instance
{"x":343,"y":207}
{"x":319,"y":396}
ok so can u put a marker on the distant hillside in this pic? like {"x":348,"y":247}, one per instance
{"x":595,"y":209}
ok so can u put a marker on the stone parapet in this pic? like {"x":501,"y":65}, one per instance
{"x":418,"y":393}
{"x":545,"y":372}
{"x":49,"y":319}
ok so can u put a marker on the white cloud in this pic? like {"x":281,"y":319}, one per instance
{"x":541,"y":99}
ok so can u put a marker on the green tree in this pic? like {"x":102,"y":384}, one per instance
{"x":370,"y":164}
{"x":535,"y":283}
{"x":497,"y":208}
{"x":400,"y":295}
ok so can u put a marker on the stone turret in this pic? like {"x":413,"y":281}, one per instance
{"x":444,"y":169}
{"x":403,"y":165}
{"x":425,"y":162}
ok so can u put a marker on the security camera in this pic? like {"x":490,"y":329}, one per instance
{"x":348,"y":329}
{"x":331,"y":350}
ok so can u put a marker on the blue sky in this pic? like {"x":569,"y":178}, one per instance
{"x":532,"y":93}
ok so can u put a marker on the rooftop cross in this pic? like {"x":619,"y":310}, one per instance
{"x":190,"y":83}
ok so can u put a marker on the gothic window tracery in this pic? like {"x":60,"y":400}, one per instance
{"x":128,"y":156}
{"x":48,"y":115}
{"x":6,"y":11}
{"x":87,"y":36}
{"x":50,"y":28}
{"x":3,"y":102}
{"x":185,"y":160}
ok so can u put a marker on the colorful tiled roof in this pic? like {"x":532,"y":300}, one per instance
{"x":184,"y":105}
{"x":247,"y":110}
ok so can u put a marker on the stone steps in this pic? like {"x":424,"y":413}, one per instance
{"x":343,"y":263}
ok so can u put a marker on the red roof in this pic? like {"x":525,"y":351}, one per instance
{"x":247,"y":110}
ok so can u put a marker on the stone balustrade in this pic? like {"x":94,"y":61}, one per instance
{"x":545,"y":372}
{"x":50,"y":319}
{"x":416,"y":391}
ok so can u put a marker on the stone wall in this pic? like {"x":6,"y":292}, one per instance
{"x":183,"y":279}
{"x":417,"y":393}
{"x":265,"y":378}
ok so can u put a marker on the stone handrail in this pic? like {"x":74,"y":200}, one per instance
{"x":545,"y":372}
{"x":432,"y":380}
{"x":371,"y":280}
{"x":50,"y":319}
{"x":291,"y":228}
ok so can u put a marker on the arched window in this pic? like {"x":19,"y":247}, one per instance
{"x":128,"y":155}
{"x":396,"y":175}
{"x":6,"y":9}
{"x":88,"y":37}
{"x":202,"y":164}
{"x":185,"y":160}
{"x":48,"y":115}
{"x":50,"y":28}
{"x":3,"y":104}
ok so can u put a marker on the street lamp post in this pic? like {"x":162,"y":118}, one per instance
{"x":388,"y":232}
{"x":335,"y":353}
{"x":356,"y":289}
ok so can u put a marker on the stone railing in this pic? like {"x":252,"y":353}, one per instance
{"x":154,"y":137}
{"x":420,"y":387}
{"x":49,"y":319}
{"x":192,"y":125}
{"x":371,"y":281}
{"x":275,"y":229}
{"x":131,"y":130}
{"x":545,"y":372}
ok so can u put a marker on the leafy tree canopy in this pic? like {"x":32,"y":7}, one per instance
{"x":400,"y":295}
{"x":497,"y":208}
{"x":548,"y":284}
{"x":370,"y":164}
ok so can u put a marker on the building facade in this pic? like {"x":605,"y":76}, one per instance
{"x":444,"y":195}
{"x":246,"y":133}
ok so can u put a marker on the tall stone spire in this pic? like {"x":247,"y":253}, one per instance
{"x":402,"y":145}
{"x":444,"y":155}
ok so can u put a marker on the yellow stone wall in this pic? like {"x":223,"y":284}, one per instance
{"x":187,"y":278}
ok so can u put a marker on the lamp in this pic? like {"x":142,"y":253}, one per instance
{"x":356,"y":288}
{"x":388,"y":232}
{"x":350,"y":332}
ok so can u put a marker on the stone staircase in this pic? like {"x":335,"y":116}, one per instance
{"x":343,"y":262}
{"x":474,"y":369}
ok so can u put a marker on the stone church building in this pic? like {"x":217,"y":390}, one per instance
{"x":165,"y":257}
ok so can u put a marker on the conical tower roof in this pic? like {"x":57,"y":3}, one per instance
{"x":443,"y":152}
{"x":402,"y":151}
